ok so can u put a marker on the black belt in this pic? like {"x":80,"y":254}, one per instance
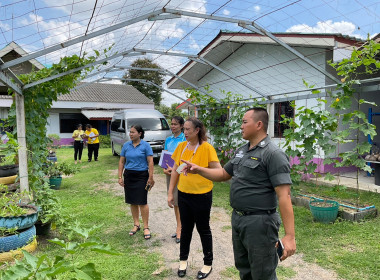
{"x":256,"y":212}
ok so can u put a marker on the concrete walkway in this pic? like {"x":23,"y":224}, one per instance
{"x":366,"y":183}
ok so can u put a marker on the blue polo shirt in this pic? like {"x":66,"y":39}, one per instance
{"x":172,"y":142}
{"x":136,"y":157}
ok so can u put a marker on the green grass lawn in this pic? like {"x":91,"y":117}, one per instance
{"x":350,"y":249}
{"x":82,"y":194}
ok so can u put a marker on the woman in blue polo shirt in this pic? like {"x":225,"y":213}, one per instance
{"x":171,"y":144}
{"x":136,"y":159}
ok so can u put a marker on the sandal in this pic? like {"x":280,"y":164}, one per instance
{"x":147,"y":236}
{"x":133,"y":232}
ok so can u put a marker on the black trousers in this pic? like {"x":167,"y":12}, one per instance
{"x":195,"y":209}
{"x":78,"y":148}
{"x":93,"y":149}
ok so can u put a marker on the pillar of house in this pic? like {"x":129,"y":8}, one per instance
{"x":22,"y":152}
{"x":270,"y":109}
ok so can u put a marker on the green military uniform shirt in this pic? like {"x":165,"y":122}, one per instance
{"x":255,"y":173}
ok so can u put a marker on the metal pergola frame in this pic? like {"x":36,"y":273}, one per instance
{"x":7,"y":77}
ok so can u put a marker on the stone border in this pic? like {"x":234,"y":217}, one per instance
{"x":344,"y":214}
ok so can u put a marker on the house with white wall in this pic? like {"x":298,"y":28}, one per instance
{"x":255,"y":66}
{"x":88,"y":103}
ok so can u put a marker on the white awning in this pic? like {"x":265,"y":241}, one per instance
{"x":98,"y":114}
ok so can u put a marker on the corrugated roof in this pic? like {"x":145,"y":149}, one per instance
{"x":100,"y":92}
{"x":110,"y":93}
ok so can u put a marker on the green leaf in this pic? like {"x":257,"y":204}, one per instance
{"x":329,"y":177}
{"x":88,"y":272}
{"x":105,"y":249}
{"x":58,"y":242}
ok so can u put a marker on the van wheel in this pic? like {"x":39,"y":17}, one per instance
{"x":113,"y":151}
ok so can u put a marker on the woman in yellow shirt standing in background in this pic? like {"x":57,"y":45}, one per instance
{"x":92,"y":136}
{"x":78,"y":143}
{"x":194,"y":193}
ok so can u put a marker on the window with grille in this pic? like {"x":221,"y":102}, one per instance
{"x":281,"y":108}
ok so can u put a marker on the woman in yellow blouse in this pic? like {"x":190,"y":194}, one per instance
{"x":92,"y":136}
{"x":78,"y":143}
{"x":194,"y":193}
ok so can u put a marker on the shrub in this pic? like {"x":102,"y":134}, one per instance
{"x":105,"y":141}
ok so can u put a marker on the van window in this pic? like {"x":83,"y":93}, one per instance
{"x":115,"y":125}
{"x":149,"y":124}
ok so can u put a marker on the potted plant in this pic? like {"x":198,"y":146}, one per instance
{"x":8,"y":167}
{"x":55,"y":171}
{"x":17,"y":221}
{"x":12,"y":239}
{"x":14,"y":214}
{"x":50,"y":208}
{"x":324,"y":211}
{"x":8,"y":160}
{"x":53,"y":144}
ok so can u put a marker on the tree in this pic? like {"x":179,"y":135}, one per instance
{"x":170,"y":112}
{"x":150,"y":91}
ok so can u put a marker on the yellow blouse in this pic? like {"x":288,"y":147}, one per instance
{"x":194,"y":183}
{"x":77,"y":134}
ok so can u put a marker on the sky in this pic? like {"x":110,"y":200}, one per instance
{"x":38,"y":24}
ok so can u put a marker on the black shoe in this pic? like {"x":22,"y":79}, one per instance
{"x":89,"y":160}
{"x":96,"y":160}
{"x":178,"y":240}
{"x":181,"y":273}
{"x":174,"y":235}
{"x":202,"y":275}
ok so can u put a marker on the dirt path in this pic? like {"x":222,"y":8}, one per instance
{"x":162,"y":224}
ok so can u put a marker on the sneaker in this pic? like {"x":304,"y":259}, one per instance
{"x":96,"y":160}
{"x":89,"y":160}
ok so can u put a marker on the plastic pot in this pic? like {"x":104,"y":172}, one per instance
{"x":42,"y":229}
{"x":53,"y":159}
{"x":324,"y":211}
{"x":55,"y":182}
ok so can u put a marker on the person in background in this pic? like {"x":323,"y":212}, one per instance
{"x":92,"y":136}
{"x":171,"y":144}
{"x":136,"y":159}
{"x":194,"y":194}
{"x":78,"y":135}
{"x":260,"y":173}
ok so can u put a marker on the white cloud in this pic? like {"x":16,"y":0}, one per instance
{"x":194,"y":44}
{"x":226,"y":12}
{"x":116,"y":82}
{"x":158,"y":36}
{"x":56,"y":32}
{"x":5,"y":27}
{"x":257,"y":8}
{"x":328,"y":26}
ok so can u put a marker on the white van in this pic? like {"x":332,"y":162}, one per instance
{"x":155,"y":126}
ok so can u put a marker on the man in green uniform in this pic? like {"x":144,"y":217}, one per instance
{"x":260,"y":171}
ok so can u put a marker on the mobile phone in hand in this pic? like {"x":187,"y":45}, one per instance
{"x":148,"y":187}
{"x":280,"y":249}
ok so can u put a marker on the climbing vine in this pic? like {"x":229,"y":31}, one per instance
{"x":347,"y":102}
{"x":38,"y":100}
{"x":325,"y":127}
{"x":222,"y":119}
